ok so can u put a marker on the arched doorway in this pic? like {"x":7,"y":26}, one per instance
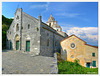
{"x":17,"y":27}
{"x":17,"y":42}
{"x":10,"y":45}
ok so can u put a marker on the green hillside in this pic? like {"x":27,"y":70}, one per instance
{"x":5,"y":26}
{"x":66,"y":67}
{"x":6,"y":21}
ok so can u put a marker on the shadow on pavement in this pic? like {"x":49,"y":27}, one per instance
{"x":6,"y":50}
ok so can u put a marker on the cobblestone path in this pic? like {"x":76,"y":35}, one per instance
{"x":14,"y":62}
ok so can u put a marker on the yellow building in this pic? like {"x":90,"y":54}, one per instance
{"x":75,"y":48}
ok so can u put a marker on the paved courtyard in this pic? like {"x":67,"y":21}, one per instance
{"x":14,"y":62}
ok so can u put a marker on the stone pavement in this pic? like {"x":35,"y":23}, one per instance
{"x":14,"y":62}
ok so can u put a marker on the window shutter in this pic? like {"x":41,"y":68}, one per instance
{"x":93,"y":54}
{"x":94,"y":63}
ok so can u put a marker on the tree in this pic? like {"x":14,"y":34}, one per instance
{"x":5,"y":26}
{"x":4,"y":31}
{"x":6,"y":21}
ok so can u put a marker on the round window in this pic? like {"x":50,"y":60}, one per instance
{"x":72,"y":56}
{"x":72,"y":45}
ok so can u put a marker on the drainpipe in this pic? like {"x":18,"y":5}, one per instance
{"x":40,"y":21}
{"x":53,"y":43}
{"x":21,"y":31}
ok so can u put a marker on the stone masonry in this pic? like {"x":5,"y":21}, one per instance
{"x":44,"y":39}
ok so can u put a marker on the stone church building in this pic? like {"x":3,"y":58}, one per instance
{"x":29,"y":34}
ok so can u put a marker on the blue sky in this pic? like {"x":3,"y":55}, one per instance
{"x":79,"y":18}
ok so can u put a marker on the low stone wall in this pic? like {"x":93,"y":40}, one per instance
{"x":64,"y":55}
{"x":54,"y":65}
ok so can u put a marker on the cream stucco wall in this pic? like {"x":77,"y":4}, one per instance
{"x":81,"y":51}
{"x":88,"y":54}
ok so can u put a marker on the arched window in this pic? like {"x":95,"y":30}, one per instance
{"x":49,"y":24}
{"x":17,"y":27}
{"x":47,"y":34}
{"x":17,"y":17}
{"x":28,"y":26}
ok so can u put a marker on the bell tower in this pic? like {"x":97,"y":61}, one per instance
{"x":52,"y":23}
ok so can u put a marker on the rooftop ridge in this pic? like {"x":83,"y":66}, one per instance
{"x":91,"y":45}
{"x":71,"y":36}
{"x":30,"y":16}
{"x":52,"y":29}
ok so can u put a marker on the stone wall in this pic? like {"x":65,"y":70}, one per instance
{"x":44,"y":40}
{"x":11,"y":33}
{"x":49,"y":34}
{"x":32,"y":34}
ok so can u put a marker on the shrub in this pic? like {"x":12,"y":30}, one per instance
{"x":76,"y":61}
{"x":22,"y":27}
{"x":67,"y":67}
{"x":59,"y":59}
{"x":37,"y":29}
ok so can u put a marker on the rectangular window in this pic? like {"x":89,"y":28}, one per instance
{"x":94,"y":63}
{"x":28,"y":26}
{"x":93,"y":54}
{"x":56,"y":43}
{"x":48,"y":42}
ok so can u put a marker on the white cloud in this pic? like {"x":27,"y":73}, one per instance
{"x":40,"y":6}
{"x":90,"y":33}
{"x":68,"y":14}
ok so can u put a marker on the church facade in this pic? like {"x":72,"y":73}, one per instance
{"x":75,"y":48}
{"x":29,"y":34}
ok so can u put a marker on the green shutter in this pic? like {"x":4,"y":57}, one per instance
{"x":17,"y":45}
{"x":27,"y":46}
{"x":94,"y":63}
{"x":93,"y":54}
{"x":10,"y":45}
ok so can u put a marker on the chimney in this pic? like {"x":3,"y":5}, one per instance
{"x":21,"y":9}
{"x":40,"y":18}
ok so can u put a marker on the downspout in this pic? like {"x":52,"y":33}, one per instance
{"x":40,"y":21}
{"x":21,"y":31}
{"x":53,"y":43}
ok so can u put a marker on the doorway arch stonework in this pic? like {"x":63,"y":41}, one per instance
{"x":17,"y":42}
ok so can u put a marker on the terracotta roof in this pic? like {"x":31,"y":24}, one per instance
{"x":71,"y":36}
{"x":80,"y":39}
{"x":63,"y":32}
{"x":56,"y":25}
{"x":91,"y":45}
{"x":52,"y":29}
